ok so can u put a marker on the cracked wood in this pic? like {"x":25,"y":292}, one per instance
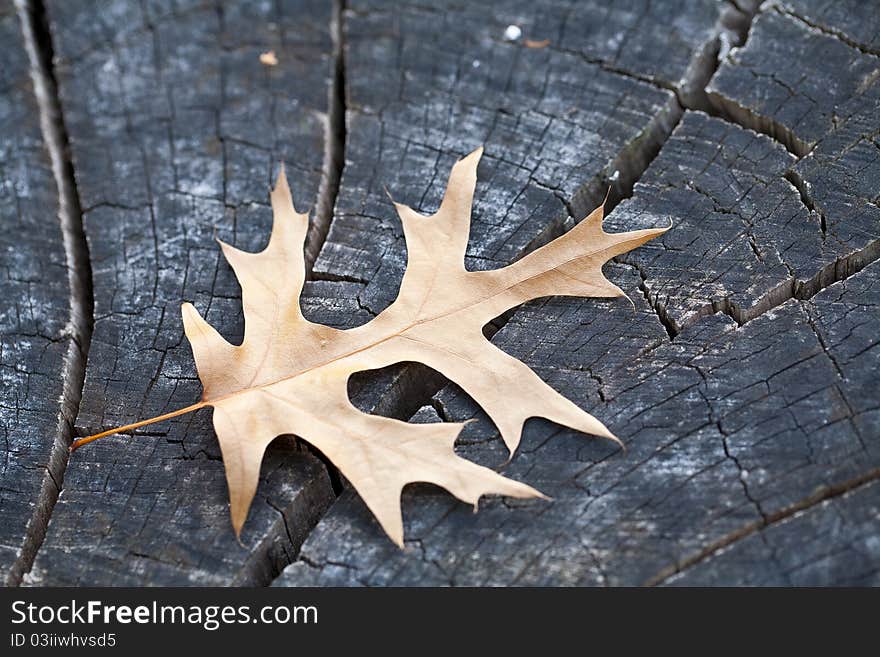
{"x":175,"y":129}
{"x":743,"y":386}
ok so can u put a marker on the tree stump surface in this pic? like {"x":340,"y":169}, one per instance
{"x":744,"y":382}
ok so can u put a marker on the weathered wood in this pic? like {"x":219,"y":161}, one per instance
{"x":753,"y":227}
{"x":560,"y":125}
{"x":730,"y":430}
{"x":834,"y":544}
{"x":554,"y":124}
{"x":851,"y":21}
{"x":672,"y":44}
{"x":832,"y":539}
{"x":790,"y":78}
{"x":175,"y":129}
{"x":35,"y":338}
{"x":744,"y":384}
{"x":840,"y":181}
{"x":724,"y":426}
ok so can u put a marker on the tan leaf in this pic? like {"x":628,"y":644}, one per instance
{"x":289,"y":375}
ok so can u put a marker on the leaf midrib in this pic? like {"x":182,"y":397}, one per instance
{"x":400,"y":332}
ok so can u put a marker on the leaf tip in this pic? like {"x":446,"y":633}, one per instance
{"x":281,"y":178}
{"x":596,"y":428}
{"x":596,"y":217}
{"x":524,"y":491}
{"x":281,"y":196}
{"x":656,"y":232}
{"x":231,"y":253}
{"x":610,"y":436}
{"x":468,"y":164}
{"x":403,"y":210}
{"x":238,"y":519}
{"x":192,"y":320}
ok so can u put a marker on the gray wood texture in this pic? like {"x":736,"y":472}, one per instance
{"x":175,"y":129}
{"x":744,"y":383}
{"x":36,"y":342}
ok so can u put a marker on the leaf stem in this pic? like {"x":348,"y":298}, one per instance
{"x":79,"y":442}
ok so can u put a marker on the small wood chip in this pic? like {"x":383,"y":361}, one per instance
{"x":268,"y":58}
{"x":531,"y":43}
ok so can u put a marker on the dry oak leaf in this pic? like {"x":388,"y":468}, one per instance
{"x":290,"y":375}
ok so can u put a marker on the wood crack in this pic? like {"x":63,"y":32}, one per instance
{"x":821,"y":495}
{"x":616,"y":180}
{"x":334,"y":144}
{"x":727,"y":109}
{"x":803,"y":189}
{"x":834,"y":272}
{"x":38,"y":43}
{"x":828,"y":31}
{"x":328,"y":190}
